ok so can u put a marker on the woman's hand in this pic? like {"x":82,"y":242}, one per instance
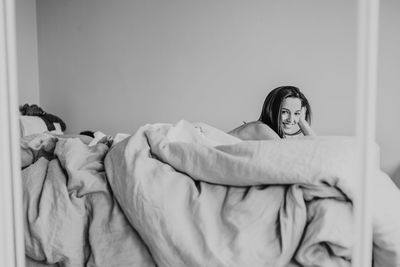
{"x":302,"y":119}
{"x":303,"y":124}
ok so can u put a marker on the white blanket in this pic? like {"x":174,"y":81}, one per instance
{"x":191,"y":195}
{"x":71,"y":217}
{"x":200,"y":197}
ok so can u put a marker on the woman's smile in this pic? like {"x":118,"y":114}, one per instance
{"x":288,"y":125}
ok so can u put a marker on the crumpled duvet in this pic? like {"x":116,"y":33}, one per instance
{"x":192,"y":195}
{"x":71,"y":216}
{"x":199,"y":197}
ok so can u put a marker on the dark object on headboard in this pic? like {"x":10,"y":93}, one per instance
{"x":49,"y":119}
{"x":88,"y":133}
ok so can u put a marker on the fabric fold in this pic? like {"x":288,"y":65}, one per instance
{"x":199,"y":197}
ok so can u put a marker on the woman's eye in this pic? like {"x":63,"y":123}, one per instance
{"x":297,"y":113}
{"x":284,"y":112}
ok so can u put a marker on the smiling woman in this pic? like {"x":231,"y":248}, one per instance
{"x":286,"y":111}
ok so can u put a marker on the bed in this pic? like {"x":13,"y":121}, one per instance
{"x":188,"y":194}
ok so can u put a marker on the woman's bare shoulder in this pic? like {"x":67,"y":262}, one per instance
{"x":255,"y":130}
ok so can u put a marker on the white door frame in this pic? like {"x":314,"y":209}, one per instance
{"x":11,"y":219}
{"x":367,"y":56}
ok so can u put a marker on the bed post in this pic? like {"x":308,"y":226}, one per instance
{"x":367,"y":49}
{"x":11,"y":219}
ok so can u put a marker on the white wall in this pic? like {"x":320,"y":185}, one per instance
{"x":116,"y":65}
{"x":388,"y":123}
{"x":27,"y":53}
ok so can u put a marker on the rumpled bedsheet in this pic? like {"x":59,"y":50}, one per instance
{"x":199,"y":197}
{"x":71,"y":216}
{"x":191,"y":195}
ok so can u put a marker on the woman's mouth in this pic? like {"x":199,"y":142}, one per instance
{"x":288,"y":125}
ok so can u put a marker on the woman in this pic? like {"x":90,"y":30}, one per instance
{"x":286,"y":113}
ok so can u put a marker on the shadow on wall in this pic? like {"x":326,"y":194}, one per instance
{"x":396,"y":177}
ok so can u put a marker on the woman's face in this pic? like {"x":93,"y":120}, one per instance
{"x":290,"y":114}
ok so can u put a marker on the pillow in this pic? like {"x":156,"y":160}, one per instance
{"x":34,"y":125}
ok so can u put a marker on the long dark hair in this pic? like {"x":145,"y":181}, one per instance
{"x":271,"y":109}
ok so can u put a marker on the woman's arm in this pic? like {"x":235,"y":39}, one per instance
{"x":254,"y":131}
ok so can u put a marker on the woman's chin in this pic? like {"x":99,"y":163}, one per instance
{"x":290,"y":130}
